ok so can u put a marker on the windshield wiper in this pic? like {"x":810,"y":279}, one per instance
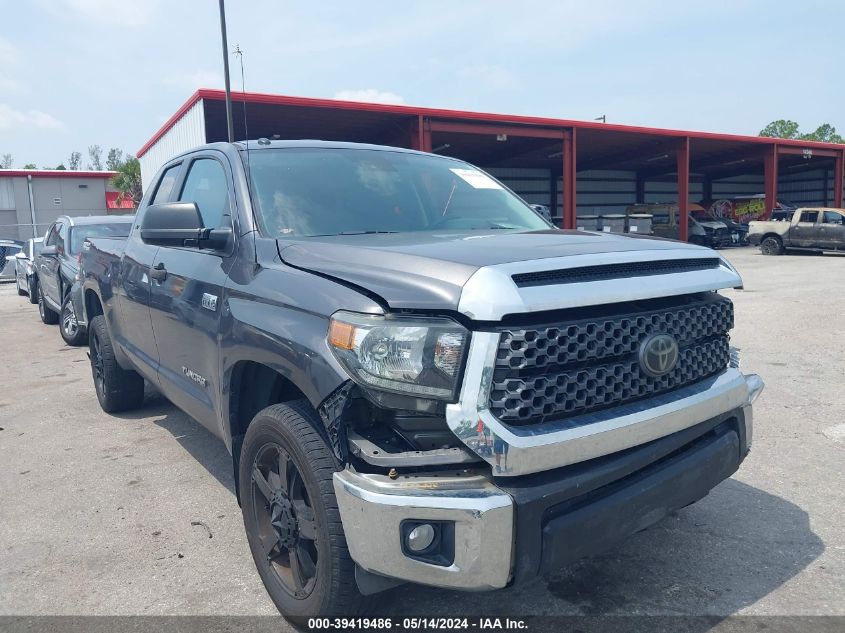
{"x":351,"y":233}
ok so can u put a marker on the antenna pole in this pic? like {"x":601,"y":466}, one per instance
{"x":230,"y":126}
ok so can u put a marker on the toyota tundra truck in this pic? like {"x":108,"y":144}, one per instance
{"x":419,"y":379}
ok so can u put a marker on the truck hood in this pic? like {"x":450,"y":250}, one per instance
{"x":428,"y":270}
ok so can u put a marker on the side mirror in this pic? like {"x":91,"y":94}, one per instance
{"x":180,"y":224}
{"x":50,"y":251}
{"x":20,"y":255}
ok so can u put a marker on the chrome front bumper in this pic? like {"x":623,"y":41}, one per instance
{"x":373,"y":507}
{"x":552,"y":445}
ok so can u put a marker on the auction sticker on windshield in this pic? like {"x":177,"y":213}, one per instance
{"x":476,"y":179}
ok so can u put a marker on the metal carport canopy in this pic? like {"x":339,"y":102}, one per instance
{"x":560,"y":145}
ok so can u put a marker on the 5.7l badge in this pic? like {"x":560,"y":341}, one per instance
{"x":209,"y":302}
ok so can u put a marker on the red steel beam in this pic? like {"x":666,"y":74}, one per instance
{"x":570,"y":170}
{"x":683,"y":188}
{"x":481,"y":128}
{"x":838,"y":166}
{"x":770,"y":178}
{"x":809,"y":152}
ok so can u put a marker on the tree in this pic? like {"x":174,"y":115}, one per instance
{"x":74,"y":161}
{"x":30,"y":166}
{"x":6,"y":161}
{"x":114,"y":159}
{"x":783,"y":128}
{"x":128,"y":180}
{"x":60,"y":167}
{"x":825,"y":132}
{"x":95,"y":154}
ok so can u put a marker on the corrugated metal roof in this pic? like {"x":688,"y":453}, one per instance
{"x":600,"y":129}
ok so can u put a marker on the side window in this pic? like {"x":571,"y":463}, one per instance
{"x":52,"y":236}
{"x":61,"y":242}
{"x":206,"y":185}
{"x":809,"y":217}
{"x":165,"y":185}
{"x":832,"y":217}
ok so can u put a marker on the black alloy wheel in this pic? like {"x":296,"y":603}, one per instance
{"x":286,"y":520}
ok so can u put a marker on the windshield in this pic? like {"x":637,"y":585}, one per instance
{"x":82,"y":232}
{"x":308,"y":192}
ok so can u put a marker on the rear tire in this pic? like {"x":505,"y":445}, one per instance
{"x":47,"y":315}
{"x":117,"y":389}
{"x":33,"y":290}
{"x":319,"y":578}
{"x":21,"y":292}
{"x":69,"y":327}
{"x":771,"y":246}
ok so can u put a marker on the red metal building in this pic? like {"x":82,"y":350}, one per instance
{"x":572,"y":166}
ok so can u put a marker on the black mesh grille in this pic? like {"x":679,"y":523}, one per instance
{"x":613,"y":271}
{"x":579,"y":366}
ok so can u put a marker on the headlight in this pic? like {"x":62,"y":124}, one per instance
{"x":413,"y":356}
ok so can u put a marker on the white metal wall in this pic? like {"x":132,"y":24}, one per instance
{"x":188,"y":132}
{"x":809,"y":188}
{"x":532,"y":185}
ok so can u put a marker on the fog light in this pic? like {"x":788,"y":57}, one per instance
{"x":420,"y":537}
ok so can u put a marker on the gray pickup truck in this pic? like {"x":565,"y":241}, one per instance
{"x":419,"y":379}
{"x":810,"y":229}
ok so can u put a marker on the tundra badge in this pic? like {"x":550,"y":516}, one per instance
{"x":190,"y":373}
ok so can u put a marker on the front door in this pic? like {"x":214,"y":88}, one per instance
{"x":187,"y":296}
{"x":134,"y":285}
{"x":833,"y":230}
{"x":49,"y":265}
{"x":805,"y":232}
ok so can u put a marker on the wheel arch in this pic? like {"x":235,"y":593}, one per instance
{"x":250,"y":387}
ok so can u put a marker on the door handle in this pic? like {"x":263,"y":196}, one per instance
{"x":159,"y":272}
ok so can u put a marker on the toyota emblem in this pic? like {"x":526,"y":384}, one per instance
{"x":658,"y":355}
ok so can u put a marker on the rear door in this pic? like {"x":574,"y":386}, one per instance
{"x":185,"y":305}
{"x":805,"y":233}
{"x":832,"y":230}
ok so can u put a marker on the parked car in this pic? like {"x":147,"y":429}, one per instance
{"x":665,"y":223}
{"x":57,"y":266}
{"x":738,"y":232}
{"x":811,"y":229}
{"x":412,"y":389}
{"x":8,"y":250}
{"x":543,"y":210}
{"x":25,"y":268}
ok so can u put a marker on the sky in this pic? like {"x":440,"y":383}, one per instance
{"x":74,"y":73}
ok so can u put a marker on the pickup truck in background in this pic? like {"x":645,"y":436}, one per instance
{"x":811,"y":229}
{"x":57,"y":265}
{"x":418,"y":378}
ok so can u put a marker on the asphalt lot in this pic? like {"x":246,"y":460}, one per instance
{"x":135,"y":514}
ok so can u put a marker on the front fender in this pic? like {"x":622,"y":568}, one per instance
{"x":279,"y":318}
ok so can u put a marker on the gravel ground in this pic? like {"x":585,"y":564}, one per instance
{"x":135,"y":514}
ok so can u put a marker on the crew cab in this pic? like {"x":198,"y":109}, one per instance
{"x":419,"y":379}
{"x":810,"y":229}
{"x":57,"y":264}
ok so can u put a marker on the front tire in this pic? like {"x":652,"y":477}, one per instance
{"x":291,"y":516}
{"x":47,"y":315}
{"x":117,"y":389}
{"x":69,"y":327}
{"x":771,"y":246}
